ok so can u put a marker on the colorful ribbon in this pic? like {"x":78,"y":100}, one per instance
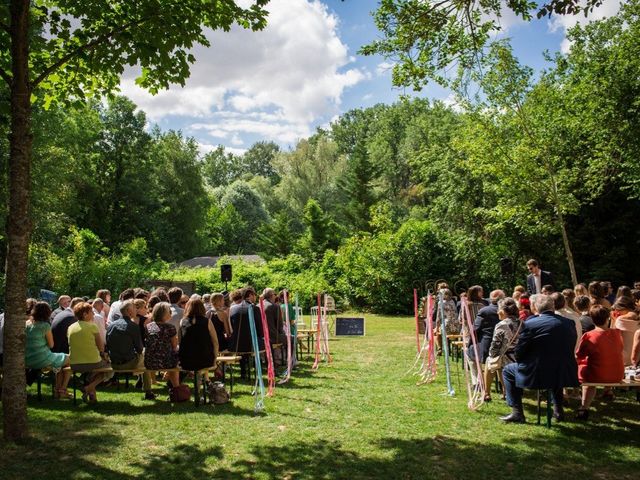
{"x":475,"y":393}
{"x":287,"y":332}
{"x":259,"y":393}
{"x":415,"y":312}
{"x":316,"y":363}
{"x":445,"y":344}
{"x":271,"y":373}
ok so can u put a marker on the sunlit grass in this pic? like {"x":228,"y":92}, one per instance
{"x":360,"y":417}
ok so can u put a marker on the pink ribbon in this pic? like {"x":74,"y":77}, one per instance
{"x":271,"y":374}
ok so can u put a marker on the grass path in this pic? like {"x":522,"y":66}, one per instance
{"x":360,"y":417}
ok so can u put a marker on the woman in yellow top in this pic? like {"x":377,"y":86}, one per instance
{"x":86,"y":350}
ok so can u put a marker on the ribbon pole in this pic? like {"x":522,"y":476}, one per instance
{"x":287,"y":331}
{"x":445,"y":345}
{"x":415,"y":312}
{"x":259,"y":392}
{"x":316,"y":363}
{"x":271,"y":375}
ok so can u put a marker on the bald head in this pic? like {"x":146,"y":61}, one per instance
{"x":495,"y":296}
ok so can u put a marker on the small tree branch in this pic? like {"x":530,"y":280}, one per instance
{"x":87,"y":47}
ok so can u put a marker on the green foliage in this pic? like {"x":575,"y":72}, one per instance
{"x":379,"y":271}
{"x":320,"y":233}
{"x":86,"y":265}
{"x":427,"y":39}
{"x":72,"y":60}
{"x":276,"y":239}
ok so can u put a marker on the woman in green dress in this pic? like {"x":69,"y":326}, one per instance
{"x":38,"y":354}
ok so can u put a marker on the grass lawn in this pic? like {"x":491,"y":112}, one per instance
{"x":360,"y":417}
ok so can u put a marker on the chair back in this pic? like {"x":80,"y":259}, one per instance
{"x":329,"y":304}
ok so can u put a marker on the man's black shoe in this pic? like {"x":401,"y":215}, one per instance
{"x":514,"y":417}
{"x":558,"y":416}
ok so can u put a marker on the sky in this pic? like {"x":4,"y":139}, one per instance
{"x":303,"y":70}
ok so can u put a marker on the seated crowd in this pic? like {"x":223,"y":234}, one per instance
{"x":147,"y":332}
{"x":546,"y":340}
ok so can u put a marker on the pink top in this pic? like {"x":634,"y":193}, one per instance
{"x":628,"y":324}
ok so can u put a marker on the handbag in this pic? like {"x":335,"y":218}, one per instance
{"x":180,"y":393}
{"x":217,"y":394}
{"x":493,"y":364}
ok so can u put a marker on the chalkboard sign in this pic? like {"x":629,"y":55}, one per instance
{"x":349,"y":326}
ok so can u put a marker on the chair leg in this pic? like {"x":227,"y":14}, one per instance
{"x":195,"y":387}
{"x":539,"y":402}
{"x":39,"y":384}
{"x":75,"y":388}
{"x":549,"y":414}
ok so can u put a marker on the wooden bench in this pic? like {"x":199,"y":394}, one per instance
{"x":42,"y":372}
{"x":623,"y":383}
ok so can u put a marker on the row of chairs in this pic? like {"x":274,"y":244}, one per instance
{"x":327,"y":310}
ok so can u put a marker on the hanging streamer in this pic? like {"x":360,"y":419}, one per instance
{"x":271,"y":373}
{"x":427,"y":356}
{"x":325,"y":332}
{"x":445,"y":344}
{"x":316,"y":363}
{"x":259,"y":390}
{"x":415,"y":312}
{"x":475,"y":392}
{"x":287,"y":332}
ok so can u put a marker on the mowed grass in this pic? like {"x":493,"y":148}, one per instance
{"x":360,"y":417}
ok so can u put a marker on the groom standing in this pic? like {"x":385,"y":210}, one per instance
{"x":537,"y":278}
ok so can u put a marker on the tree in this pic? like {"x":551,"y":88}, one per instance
{"x":220,"y":167}
{"x":321,"y":232}
{"x":179,"y":196}
{"x":258,"y":160}
{"x":248,"y":204}
{"x":276,"y":238}
{"x":426,"y":39}
{"x":47,"y":57}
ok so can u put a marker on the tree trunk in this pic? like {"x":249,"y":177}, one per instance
{"x":567,"y":248}
{"x":14,"y":396}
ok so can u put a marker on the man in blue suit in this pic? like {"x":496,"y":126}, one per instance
{"x":537,"y":278}
{"x":545,"y":359}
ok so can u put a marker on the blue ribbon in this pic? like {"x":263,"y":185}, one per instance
{"x":256,"y":349}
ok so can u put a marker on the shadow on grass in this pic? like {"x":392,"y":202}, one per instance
{"x":68,"y":449}
{"x":158,"y":407}
{"x":437,"y":457}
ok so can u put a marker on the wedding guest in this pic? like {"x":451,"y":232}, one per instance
{"x":87,"y":351}
{"x":627,"y":321}
{"x":599,"y":357}
{"x":38,"y":354}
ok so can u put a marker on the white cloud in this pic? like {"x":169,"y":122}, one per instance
{"x":265,"y":125}
{"x":383,"y":68}
{"x":236,"y":140}
{"x":208,"y":147}
{"x":297,"y":67}
{"x":452,"y":102}
{"x":557,"y":23}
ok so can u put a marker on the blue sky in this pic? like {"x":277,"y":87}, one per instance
{"x":302,"y":71}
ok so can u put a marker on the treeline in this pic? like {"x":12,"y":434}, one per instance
{"x":542,"y":166}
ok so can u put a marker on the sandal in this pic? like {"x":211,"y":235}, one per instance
{"x":63,"y":393}
{"x":487,"y":398}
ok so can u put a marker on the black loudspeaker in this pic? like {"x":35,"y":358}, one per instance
{"x":506,"y":266}
{"x":226,"y":273}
